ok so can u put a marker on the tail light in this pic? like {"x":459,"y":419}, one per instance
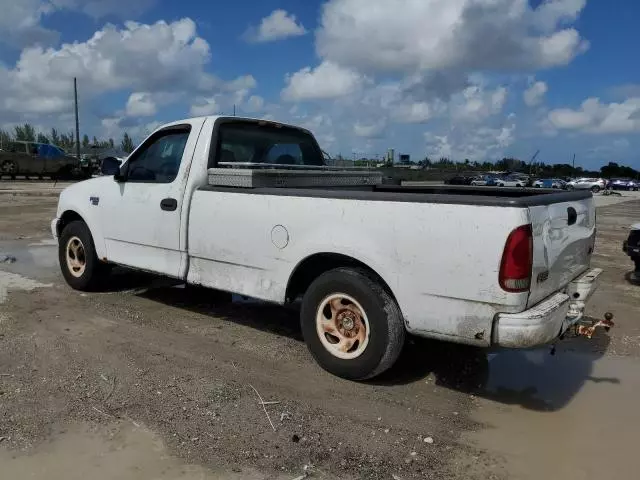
{"x":517,"y":260}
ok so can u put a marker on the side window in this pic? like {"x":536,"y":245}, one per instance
{"x":159,"y":160}
{"x":285,"y":154}
{"x":16,"y":147}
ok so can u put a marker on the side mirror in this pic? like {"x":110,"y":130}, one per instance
{"x":110,"y":166}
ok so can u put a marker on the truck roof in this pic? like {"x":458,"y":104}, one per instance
{"x":231,"y":117}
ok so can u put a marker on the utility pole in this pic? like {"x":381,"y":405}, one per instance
{"x":75,"y":95}
{"x":573,"y":166}
{"x":234,"y":109}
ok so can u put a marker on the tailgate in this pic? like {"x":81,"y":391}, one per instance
{"x":563,"y":239}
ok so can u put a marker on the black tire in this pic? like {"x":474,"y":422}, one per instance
{"x":595,"y":189}
{"x":9,"y":167}
{"x":386,"y":324}
{"x":94,"y":272}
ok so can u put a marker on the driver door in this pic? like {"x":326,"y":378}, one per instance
{"x":141,"y":213}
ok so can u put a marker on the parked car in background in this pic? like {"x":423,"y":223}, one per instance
{"x":484,"y":181}
{"x":459,"y":180}
{"x":624,"y":184}
{"x":593,"y":184}
{"x":510,"y":181}
{"x":36,"y":159}
{"x":526,"y":180}
{"x":550,"y":183}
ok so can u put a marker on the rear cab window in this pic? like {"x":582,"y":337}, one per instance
{"x":265,"y":144}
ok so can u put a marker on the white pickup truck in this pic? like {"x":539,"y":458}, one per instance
{"x":488,"y":267}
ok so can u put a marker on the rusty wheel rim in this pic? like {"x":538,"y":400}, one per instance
{"x":342,"y":326}
{"x":76,"y":259}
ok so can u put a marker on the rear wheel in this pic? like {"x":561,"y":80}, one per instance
{"x":9,"y":168}
{"x":595,"y":189}
{"x":77,"y":257}
{"x":352,"y":326}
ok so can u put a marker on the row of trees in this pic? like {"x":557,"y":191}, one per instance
{"x":66,"y":141}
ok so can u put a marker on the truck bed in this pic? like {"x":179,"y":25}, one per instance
{"x":446,"y":194}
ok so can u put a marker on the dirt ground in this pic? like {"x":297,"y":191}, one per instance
{"x":151,"y":380}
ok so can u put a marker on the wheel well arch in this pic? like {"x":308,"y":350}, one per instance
{"x":315,"y":265}
{"x":66,"y":218}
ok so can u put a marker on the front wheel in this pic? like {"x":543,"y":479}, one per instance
{"x":595,"y":189}
{"x":77,"y":257}
{"x":352,"y":326}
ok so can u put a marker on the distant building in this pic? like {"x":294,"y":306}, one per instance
{"x":391,"y":155}
{"x":404,"y":158}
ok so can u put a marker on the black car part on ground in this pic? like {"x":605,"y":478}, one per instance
{"x":631,"y":247}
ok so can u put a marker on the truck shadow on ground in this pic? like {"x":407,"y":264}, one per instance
{"x":533,"y":379}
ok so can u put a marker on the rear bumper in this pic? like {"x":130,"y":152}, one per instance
{"x":547,"y":320}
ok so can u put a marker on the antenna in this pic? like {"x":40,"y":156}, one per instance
{"x":75,"y":95}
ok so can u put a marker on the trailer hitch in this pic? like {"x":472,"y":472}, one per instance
{"x":587,"y":328}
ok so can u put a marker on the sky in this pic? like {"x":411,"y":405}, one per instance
{"x":464,"y":79}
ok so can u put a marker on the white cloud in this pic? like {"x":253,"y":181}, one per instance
{"x":475,"y":103}
{"x":255,"y":103}
{"x":20,"y":22}
{"x":277,"y":26}
{"x":417,"y":112}
{"x":626,"y":91}
{"x":370,"y":130}
{"x":328,"y":80}
{"x":535,"y":94}
{"x":410,"y":35}
{"x":140,"y":104}
{"x":593,"y":116}
{"x":205,"y":106}
{"x":475,"y":144}
{"x":163,"y":57}
{"x":113,"y":127}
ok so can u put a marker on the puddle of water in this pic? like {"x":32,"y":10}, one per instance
{"x":13,"y":281}
{"x":39,"y":260}
{"x":565,"y":416}
{"x":120,"y":451}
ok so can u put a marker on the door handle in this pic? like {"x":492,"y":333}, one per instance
{"x":572,"y":216}
{"x":169,"y":204}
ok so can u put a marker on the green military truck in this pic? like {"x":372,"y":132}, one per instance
{"x":33,"y":159}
